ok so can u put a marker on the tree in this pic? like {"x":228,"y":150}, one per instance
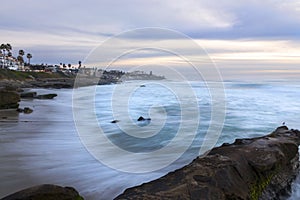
{"x":21,"y":52}
{"x":20,"y":57}
{"x":3,"y":48}
{"x":8,"y":47}
{"x":29,"y":56}
{"x":79,"y":64}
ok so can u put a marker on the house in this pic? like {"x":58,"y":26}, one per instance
{"x":8,"y":62}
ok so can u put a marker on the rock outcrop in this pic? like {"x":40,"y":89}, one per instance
{"x":141,"y":118}
{"x":28,"y":94}
{"x":26,"y":110}
{"x":34,"y":95}
{"x":9,"y":99}
{"x":257,"y":168}
{"x":46,"y":96}
{"x":45,"y":192}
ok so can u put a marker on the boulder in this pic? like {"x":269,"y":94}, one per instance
{"x":141,"y":118}
{"x":28,"y":94}
{"x":9,"y":99}
{"x":34,"y":95}
{"x":257,"y":168}
{"x":45,"y":192}
{"x":46,"y":96}
{"x":20,"y":110}
{"x":27,"y":110}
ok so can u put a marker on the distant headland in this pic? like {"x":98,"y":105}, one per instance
{"x":16,"y":74}
{"x":14,"y":70}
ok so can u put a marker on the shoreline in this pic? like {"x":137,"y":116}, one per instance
{"x":238,"y":142}
{"x":13,"y":83}
{"x":227,"y":171}
{"x":232,"y":171}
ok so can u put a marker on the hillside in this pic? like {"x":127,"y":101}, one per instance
{"x":6,"y":74}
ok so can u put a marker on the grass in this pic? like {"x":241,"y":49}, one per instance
{"x":18,"y":75}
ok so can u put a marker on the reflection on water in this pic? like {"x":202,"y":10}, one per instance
{"x":10,"y":115}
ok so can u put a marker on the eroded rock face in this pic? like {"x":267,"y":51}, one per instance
{"x":258,"y":168}
{"x":9,"y":99}
{"x":45,"y":192}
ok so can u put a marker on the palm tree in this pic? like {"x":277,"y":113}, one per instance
{"x":21,"y":52}
{"x":29,"y":56}
{"x":8,"y":47}
{"x":3,"y":48}
{"x":20,"y":57}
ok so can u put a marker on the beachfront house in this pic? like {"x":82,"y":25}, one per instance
{"x":8,"y":62}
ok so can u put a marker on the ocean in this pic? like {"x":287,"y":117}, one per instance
{"x":71,"y":141}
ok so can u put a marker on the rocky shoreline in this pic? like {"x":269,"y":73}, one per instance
{"x":13,"y":82}
{"x":250,"y":168}
{"x":257,"y":168}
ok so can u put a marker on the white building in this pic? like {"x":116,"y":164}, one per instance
{"x":9,"y":62}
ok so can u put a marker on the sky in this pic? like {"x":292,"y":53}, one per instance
{"x":245,"y":39}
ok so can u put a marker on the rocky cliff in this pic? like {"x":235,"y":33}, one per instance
{"x":257,"y":168}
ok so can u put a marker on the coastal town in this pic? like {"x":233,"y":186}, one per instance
{"x":16,"y":74}
{"x":17,"y":63}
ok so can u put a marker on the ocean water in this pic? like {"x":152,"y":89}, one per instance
{"x":71,"y":141}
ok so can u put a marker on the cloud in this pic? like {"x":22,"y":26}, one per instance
{"x":237,"y":34}
{"x":196,"y":18}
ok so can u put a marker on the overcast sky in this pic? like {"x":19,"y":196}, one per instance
{"x":242,"y":37}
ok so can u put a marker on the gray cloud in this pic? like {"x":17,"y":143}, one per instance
{"x":62,"y":31}
{"x":201,"y":19}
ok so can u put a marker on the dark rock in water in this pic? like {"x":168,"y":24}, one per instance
{"x":20,"y":110}
{"x":46,"y":96}
{"x":143,"y":119}
{"x":114,"y":121}
{"x":142,"y":85}
{"x":9,"y":99}
{"x":257,"y":168}
{"x":46,"y":192}
{"x":28,"y":94}
{"x":34,"y":95}
{"x":27,"y":110}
